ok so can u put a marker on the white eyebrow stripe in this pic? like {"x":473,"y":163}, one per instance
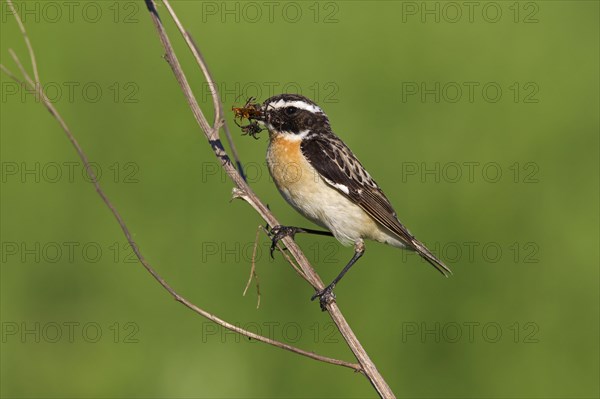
{"x":298,"y":104}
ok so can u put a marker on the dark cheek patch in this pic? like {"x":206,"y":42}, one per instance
{"x":276,"y":122}
{"x":291,"y":125}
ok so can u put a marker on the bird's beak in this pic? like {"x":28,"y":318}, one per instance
{"x":259,"y":116}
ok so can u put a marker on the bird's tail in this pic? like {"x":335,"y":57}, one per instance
{"x":426,"y":254}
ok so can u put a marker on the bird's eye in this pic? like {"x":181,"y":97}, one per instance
{"x":289,"y":111}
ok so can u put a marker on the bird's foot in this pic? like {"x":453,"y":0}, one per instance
{"x":326,"y":296}
{"x":278,"y":233}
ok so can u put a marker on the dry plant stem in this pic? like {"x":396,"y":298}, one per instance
{"x":252,"y":262}
{"x":27,"y":42}
{"x":253,"y":273}
{"x":245,"y":192}
{"x":31,"y":85}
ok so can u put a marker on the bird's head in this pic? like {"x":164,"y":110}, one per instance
{"x":292,"y":115}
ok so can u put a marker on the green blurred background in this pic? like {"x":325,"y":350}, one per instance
{"x":479,"y":121}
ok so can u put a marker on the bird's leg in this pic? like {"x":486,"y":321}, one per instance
{"x":326,"y":295}
{"x":279,"y":232}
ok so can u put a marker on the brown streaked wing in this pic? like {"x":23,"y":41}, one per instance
{"x":340,"y":168}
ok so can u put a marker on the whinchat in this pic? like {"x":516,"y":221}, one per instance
{"x":322,"y":179}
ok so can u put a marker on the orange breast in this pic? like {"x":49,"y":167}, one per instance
{"x":284,"y":149}
{"x":286,"y":162}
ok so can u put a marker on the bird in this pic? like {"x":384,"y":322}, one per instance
{"x":322,"y":179}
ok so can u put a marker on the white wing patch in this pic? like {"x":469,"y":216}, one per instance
{"x":341,"y":187}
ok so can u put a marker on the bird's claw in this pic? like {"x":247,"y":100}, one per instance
{"x":326,"y":296}
{"x":278,"y":233}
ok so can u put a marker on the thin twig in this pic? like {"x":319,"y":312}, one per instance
{"x":12,"y":76}
{"x":253,"y":273}
{"x":253,"y":263}
{"x":36,"y":74}
{"x":93,"y":178}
